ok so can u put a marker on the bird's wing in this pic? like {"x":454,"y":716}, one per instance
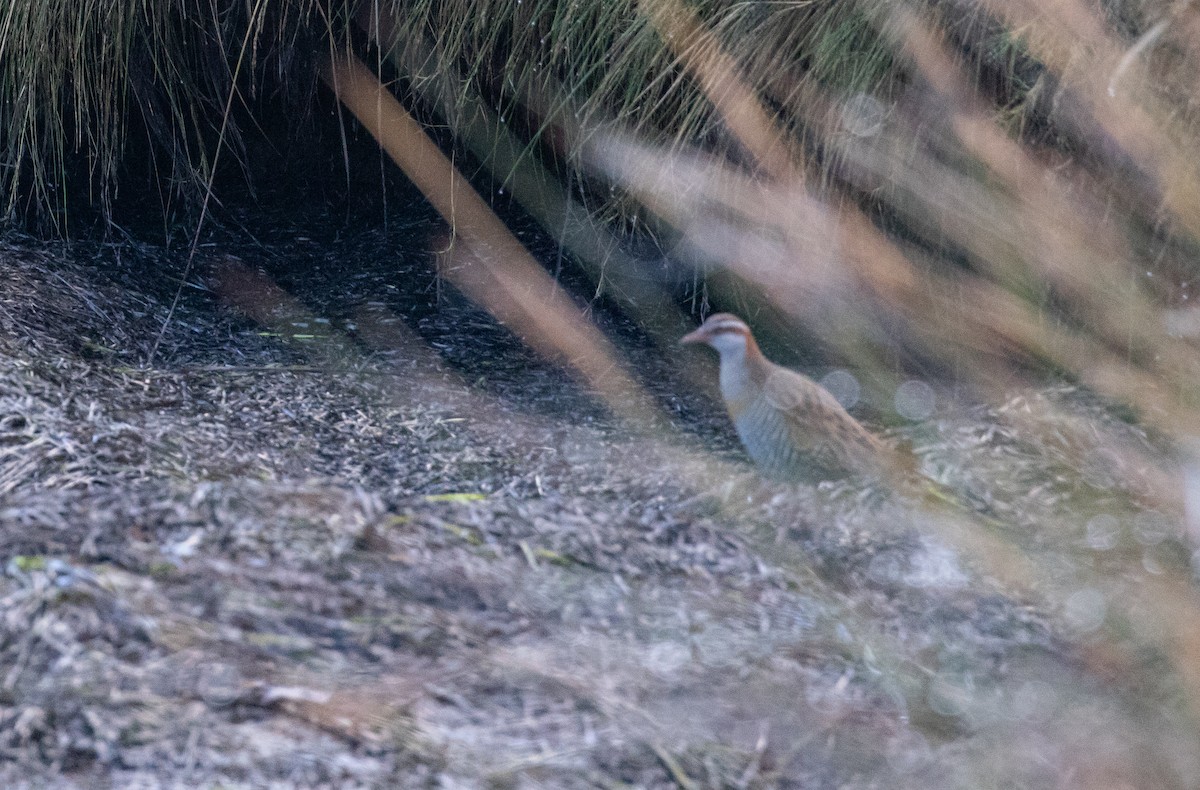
{"x":817,"y":423}
{"x":789,"y":391}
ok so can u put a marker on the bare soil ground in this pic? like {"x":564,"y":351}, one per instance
{"x":345,"y":531}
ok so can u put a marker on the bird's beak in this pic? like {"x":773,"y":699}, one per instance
{"x":696,"y":336}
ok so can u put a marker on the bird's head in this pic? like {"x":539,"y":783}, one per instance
{"x":727,"y":333}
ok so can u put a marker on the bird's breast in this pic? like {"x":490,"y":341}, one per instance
{"x":737,"y":389}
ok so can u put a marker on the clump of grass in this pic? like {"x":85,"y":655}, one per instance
{"x":82,"y":85}
{"x":86,"y":85}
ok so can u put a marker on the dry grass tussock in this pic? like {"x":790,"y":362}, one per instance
{"x":417,"y":550}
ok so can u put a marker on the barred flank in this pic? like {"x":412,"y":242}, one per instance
{"x":830,"y":449}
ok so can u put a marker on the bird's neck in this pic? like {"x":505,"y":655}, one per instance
{"x":743,"y":371}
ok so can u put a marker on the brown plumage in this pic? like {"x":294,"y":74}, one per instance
{"x":790,"y":426}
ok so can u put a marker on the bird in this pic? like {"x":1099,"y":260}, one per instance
{"x":790,"y":426}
